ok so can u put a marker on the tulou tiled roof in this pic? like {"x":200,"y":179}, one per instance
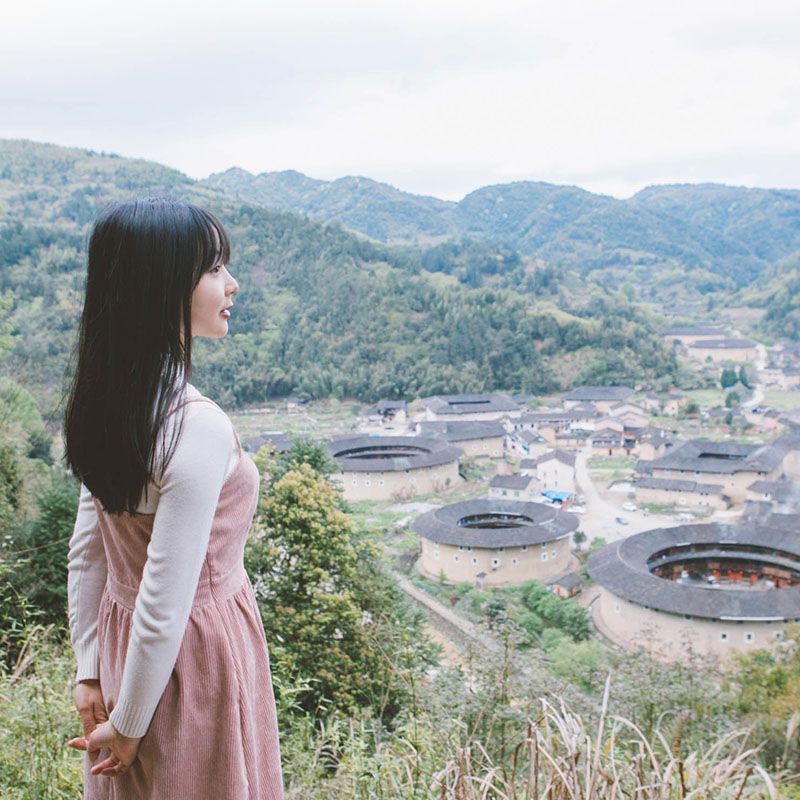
{"x":623,"y":568}
{"x":531,"y":523}
{"x":391,"y":453}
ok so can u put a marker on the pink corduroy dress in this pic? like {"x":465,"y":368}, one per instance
{"x":214,"y":734}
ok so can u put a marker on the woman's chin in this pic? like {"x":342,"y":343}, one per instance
{"x":215,"y":333}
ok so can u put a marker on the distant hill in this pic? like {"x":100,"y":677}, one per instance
{"x":358,"y":204}
{"x":724,"y":237}
{"x":321,"y":312}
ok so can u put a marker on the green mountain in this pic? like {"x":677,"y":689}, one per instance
{"x":704,"y":237}
{"x":320,"y":312}
{"x":359,"y":204}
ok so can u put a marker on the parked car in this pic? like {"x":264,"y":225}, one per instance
{"x":622,"y":520}
{"x":628,"y":507}
{"x":576,"y":510}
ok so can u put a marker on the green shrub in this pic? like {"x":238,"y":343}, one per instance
{"x":40,"y":571}
{"x":38,"y":719}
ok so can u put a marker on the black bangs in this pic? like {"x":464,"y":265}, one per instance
{"x":215,"y":247}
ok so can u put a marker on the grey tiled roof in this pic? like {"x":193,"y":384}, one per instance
{"x":601,"y":393}
{"x":279,"y":442}
{"x":570,"y":580}
{"x":724,"y":458}
{"x":675,"y":485}
{"x":723,"y":344}
{"x":782,"y":492}
{"x":692,"y":330}
{"x":518,"y":482}
{"x":653,"y":434}
{"x":391,"y":405}
{"x":633,"y":408}
{"x":528,"y":436}
{"x":461,"y":430}
{"x":470,"y":403}
{"x":558,"y":415}
{"x":607,"y":435}
{"x":550,"y":455}
{"x":537,"y":523}
{"x":391,"y":453}
{"x":622,"y":568}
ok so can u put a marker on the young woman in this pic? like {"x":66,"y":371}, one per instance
{"x":173,"y":682}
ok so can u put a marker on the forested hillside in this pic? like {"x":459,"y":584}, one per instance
{"x":779,"y":293}
{"x":670,"y":242}
{"x":321,"y":311}
{"x":360,"y":204}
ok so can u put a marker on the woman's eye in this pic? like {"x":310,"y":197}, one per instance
{"x":216,"y":269}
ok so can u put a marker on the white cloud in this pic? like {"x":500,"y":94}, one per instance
{"x":437,"y":96}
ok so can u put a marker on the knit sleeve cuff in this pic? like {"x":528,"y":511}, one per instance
{"x":131,"y":720}
{"x":86,"y":656}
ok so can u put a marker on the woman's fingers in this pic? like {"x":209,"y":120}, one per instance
{"x":114,"y":771}
{"x":104,"y":765}
{"x":122,"y":750}
{"x":78,"y":744}
{"x":82,"y":743}
{"x":110,"y":767}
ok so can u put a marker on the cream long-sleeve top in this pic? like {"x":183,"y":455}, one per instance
{"x":183,"y":499}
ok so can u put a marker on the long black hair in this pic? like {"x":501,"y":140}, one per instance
{"x":135,"y":342}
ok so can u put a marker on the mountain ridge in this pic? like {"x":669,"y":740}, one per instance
{"x":732,"y":232}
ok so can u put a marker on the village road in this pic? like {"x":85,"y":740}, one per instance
{"x":602,"y":508}
{"x":758,"y":391}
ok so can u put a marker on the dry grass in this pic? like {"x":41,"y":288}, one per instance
{"x":560,"y":759}
{"x":557,"y":758}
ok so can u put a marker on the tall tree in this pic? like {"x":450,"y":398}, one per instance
{"x":325,"y":599}
{"x":728,"y":378}
{"x":743,"y":377}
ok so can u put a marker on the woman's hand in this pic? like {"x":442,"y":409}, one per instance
{"x":99,"y":733}
{"x":92,"y":710}
{"x":122,"y":749}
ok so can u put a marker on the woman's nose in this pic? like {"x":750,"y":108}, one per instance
{"x":233,"y":285}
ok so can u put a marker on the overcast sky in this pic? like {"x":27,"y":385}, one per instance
{"x":433,"y":96}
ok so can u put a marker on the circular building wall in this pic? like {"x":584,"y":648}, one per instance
{"x":495,"y":542}
{"x":710,"y":588}
{"x":394,"y":467}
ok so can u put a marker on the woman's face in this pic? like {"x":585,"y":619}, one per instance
{"x":212,"y":299}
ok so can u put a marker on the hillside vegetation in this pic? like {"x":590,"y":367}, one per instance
{"x":321,"y":312}
{"x":731,"y":232}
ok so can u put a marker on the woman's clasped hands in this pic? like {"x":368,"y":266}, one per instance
{"x":99,"y":734}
